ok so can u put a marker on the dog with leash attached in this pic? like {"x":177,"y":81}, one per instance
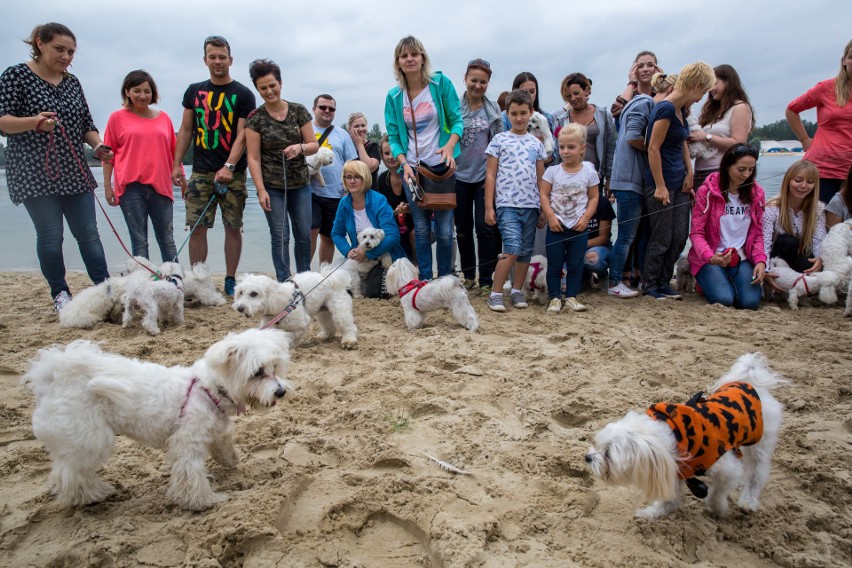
{"x":157,"y":297}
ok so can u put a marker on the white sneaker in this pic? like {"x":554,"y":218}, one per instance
{"x":575,"y":305}
{"x":555,"y":306}
{"x":623,"y":291}
{"x":61,"y":300}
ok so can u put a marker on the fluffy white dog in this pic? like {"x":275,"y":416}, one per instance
{"x":417,"y":297}
{"x":368,"y":239}
{"x":684,"y":280}
{"x":156,"y":298}
{"x":836,"y":255}
{"x":95,"y":304}
{"x":535,"y":282}
{"x":652,"y":450}
{"x":699,"y":149}
{"x":314,"y":295}
{"x":798,"y":284}
{"x":198,"y":285}
{"x":540,"y":128}
{"x":323,"y":157}
{"x":85,"y":397}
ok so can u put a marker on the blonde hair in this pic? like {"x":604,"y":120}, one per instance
{"x":574,"y":129}
{"x":411,"y":44}
{"x":662,"y":82}
{"x":843,"y":83}
{"x":360,"y":169}
{"x":810,"y":206}
{"x":694,"y":76}
{"x":355,"y":116}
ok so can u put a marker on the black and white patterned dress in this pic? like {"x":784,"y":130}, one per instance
{"x":24,"y":94}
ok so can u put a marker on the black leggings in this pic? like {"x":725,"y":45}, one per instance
{"x":786,"y":247}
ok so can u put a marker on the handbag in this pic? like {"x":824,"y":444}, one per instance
{"x":434,"y":196}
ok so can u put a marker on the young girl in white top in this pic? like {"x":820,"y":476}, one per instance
{"x":569,"y":198}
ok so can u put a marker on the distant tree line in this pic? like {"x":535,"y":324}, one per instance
{"x":780,"y":130}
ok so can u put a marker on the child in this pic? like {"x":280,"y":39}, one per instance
{"x":569,"y":198}
{"x":513,"y":169}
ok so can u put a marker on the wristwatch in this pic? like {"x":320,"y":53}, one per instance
{"x":232,"y":167}
{"x":709,"y":137}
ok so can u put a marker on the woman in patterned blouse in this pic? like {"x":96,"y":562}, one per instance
{"x":46,"y":170}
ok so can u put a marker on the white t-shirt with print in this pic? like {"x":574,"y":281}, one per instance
{"x":734,"y":224}
{"x":569,"y":194}
{"x":426,"y":116}
{"x":517,"y":182}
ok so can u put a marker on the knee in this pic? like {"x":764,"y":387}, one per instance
{"x":592,"y":257}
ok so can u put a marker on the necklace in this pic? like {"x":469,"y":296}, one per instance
{"x":278,"y":114}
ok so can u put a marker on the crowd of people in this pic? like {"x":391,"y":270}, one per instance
{"x":676,"y":174}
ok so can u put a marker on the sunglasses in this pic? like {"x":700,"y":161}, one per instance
{"x":478,"y":62}
{"x":326,"y":108}
{"x":746,"y":150}
{"x":213,"y":38}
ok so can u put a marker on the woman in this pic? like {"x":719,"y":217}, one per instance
{"x":838,"y":209}
{"x":390,"y":185}
{"x":363,"y":208}
{"x":638,"y":82}
{"x":482,"y":121}
{"x":576,"y":89}
{"x":527,"y":81}
{"x":433,"y":143}
{"x":35,"y":97}
{"x":727,"y":256}
{"x":280,"y":132}
{"x":668,"y":187}
{"x":627,"y":185}
{"x":794,"y":222}
{"x":726,"y":119}
{"x":368,"y":151}
{"x":831,"y":147}
{"x":143,"y":141}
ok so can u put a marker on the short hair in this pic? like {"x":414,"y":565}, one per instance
{"x":731,"y":156}
{"x":134,"y":79}
{"x":216,"y":41}
{"x":46,"y":33}
{"x":412,"y":45}
{"x":480,"y":64}
{"x":574,"y":79}
{"x":696,"y":76}
{"x":323,"y":96}
{"x":643,"y":53}
{"x":355,"y":116}
{"x":574,"y":129}
{"x":501,"y":100}
{"x":661,"y":82}
{"x":263,"y":67}
{"x":519,"y":97}
{"x":522,"y":78}
{"x":360,"y":169}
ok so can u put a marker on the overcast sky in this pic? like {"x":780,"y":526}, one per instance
{"x":346,"y":48}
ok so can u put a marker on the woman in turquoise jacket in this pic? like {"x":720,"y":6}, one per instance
{"x":437,"y":115}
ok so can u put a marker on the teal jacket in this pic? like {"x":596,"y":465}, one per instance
{"x":449,"y":115}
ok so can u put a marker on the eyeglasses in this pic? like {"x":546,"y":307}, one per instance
{"x":352,"y":178}
{"x":326,"y":108}
{"x":478,"y":62}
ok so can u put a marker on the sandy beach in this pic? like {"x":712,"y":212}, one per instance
{"x":335,"y":475}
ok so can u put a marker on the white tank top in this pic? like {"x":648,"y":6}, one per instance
{"x":721,"y":128}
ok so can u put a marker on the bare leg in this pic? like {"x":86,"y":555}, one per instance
{"x":233,"y":249}
{"x":198,"y":245}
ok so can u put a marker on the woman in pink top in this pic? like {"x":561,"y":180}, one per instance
{"x":139,"y":177}
{"x":831,"y":147}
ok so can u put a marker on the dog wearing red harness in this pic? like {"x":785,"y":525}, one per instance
{"x":535,"y":284}
{"x":418,"y":297}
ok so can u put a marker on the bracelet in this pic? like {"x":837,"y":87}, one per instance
{"x":302,"y":147}
{"x":401,"y":168}
{"x":634,"y":84}
{"x":621,"y":100}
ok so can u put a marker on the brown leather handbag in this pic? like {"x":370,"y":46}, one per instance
{"x":435,"y":196}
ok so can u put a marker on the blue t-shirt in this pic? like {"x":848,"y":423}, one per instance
{"x":341,"y":144}
{"x":671,"y":150}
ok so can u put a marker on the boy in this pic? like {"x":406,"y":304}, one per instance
{"x":513,"y":169}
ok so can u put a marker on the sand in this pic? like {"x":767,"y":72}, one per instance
{"x":335,"y":475}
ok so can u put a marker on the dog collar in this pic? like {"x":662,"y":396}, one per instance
{"x":536,"y":266}
{"x":415,"y":285}
{"x":177,"y":281}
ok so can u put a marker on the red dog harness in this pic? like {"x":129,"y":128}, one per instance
{"x":536,"y":266}
{"x":415,"y":285}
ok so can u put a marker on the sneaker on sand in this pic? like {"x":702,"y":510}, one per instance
{"x":621,"y":290}
{"x":555,"y":306}
{"x":485,"y":290}
{"x":230,"y":284}
{"x":496,"y":303}
{"x":654,"y":293}
{"x":61,"y":300}
{"x":518,"y":300}
{"x":575,"y":305}
{"x":667,"y":291}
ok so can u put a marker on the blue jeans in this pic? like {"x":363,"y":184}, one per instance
{"x":629,"y":205}
{"x":140,"y":202}
{"x":79,"y":210}
{"x":729,"y":286}
{"x":423,"y":237}
{"x":517,"y":229}
{"x":567,"y":248}
{"x":470,"y":213}
{"x":297,"y":203}
{"x":598,"y":267}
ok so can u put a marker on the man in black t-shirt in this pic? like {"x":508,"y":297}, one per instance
{"x":214,"y":117}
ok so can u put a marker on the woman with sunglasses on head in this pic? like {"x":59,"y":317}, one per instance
{"x":482,"y":121}
{"x":45,"y":119}
{"x":368,"y":151}
{"x":727,"y":256}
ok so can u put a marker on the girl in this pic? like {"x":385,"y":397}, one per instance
{"x":368,"y":151}
{"x":838,"y":209}
{"x":727,"y":256}
{"x":794,"y":222}
{"x":638,"y":82}
{"x":569,"y":198}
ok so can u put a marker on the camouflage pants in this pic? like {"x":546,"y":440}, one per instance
{"x":232,"y":204}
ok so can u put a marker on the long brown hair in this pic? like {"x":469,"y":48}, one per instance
{"x":733,"y":155}
{"x":810,"y":206}
{"x":713,"y":109}
{"x":46,"y":33}
{"x":843,"y":83}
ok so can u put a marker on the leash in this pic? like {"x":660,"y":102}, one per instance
{"x":200,"y":217}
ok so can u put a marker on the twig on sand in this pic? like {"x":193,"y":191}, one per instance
{"x":447,"y":466}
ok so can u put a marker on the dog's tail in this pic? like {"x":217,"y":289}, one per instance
{"x":828,"y":281}
{"x":67,"y":365}
{"x":752,"y":368}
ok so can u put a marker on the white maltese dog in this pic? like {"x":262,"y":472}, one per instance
{"x":197,"y":283}
{"x":836,"y":255}
{"x":368,"y":239}
{"x":540,"y":128}
{"x":701,"y":149}
{"x":86,"y":397}
{"x":323,"y":157}
{"x":535,"y":282}
{"x":652,"y":450}
{"x":95,"y":304}
{"x":799,"y":284}
{"x":156,"y":298}
{"x":314,"y":295}
{"x":417,"y":297}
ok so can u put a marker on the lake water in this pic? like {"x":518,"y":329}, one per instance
{"x":18,"y":235}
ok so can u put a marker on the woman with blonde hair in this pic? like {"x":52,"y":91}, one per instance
{"x":368,"y":151}
{"x":831,"y":147}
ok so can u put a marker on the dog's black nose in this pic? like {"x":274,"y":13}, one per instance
{"x":589,"y":458}
{"x":280,"y":393}
{"x":241,"y":309}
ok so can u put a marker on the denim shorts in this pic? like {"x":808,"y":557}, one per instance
{"x":517,"y":227}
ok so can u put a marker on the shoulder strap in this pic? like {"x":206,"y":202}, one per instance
{"x":413,"y":121}
{"x":324,"y":135}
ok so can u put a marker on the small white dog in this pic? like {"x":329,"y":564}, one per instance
{"x":197,"y":283}
{"x":798,"y":284}
{"x":652,"y":450}
{"x":323,"y":157}
{"x":684,"y":280}
{"x":836,"y":255}
{"x":156,"y":298}
{"x":314,"y":295}
{"x":540,"y":128}
{"x":417,"y":297}
{"x":368,"y":239}
{"x":703,"y":149}
{"x":535,"y":282}
{"x":95,"y":304}
{"x":86,"y":397}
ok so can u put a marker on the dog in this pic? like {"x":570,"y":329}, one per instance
{"x":539,"y":127}
{"x":323,"y":157}
{"x":653,"y":450}
{"x":417,"y":297}
{"x":836,"y":255}
{"x":314,"y":295}
{"x":157,"y":297}
{"x":699,"y":150}
{"x":368,"y":239}
{"x":798,"y":284}
{"x":95,"y":304}
{"x":85,"y":397}
{"x":535,"y":282}
{"x":197,"y":283}
{"x":684,"y":280}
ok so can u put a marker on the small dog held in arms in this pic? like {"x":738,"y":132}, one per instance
{"x":314,"y":295}
{"x":539,"y":127}
{"x":85,"y":397}
{"x":323,"y":157}
{"x":368,"y":239}
{"x":418,"y":297}
{"x":669,"y":442}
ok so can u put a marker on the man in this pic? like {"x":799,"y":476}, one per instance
{"x":326,"y":198}
{"x":215,"y":113}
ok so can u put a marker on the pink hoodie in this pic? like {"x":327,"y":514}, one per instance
{"x":705,"y":233}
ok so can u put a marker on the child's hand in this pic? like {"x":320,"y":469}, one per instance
{"x":581,"y":225}
{"x":542,"y":221}
{"x":555,"y":224}
{"x":490,"y":217}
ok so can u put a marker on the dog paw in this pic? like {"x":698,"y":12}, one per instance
{"x":323,"y":335}
{"x":748,"y":504}
{"x":349,"y":343}
{"x":207,"y":501}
